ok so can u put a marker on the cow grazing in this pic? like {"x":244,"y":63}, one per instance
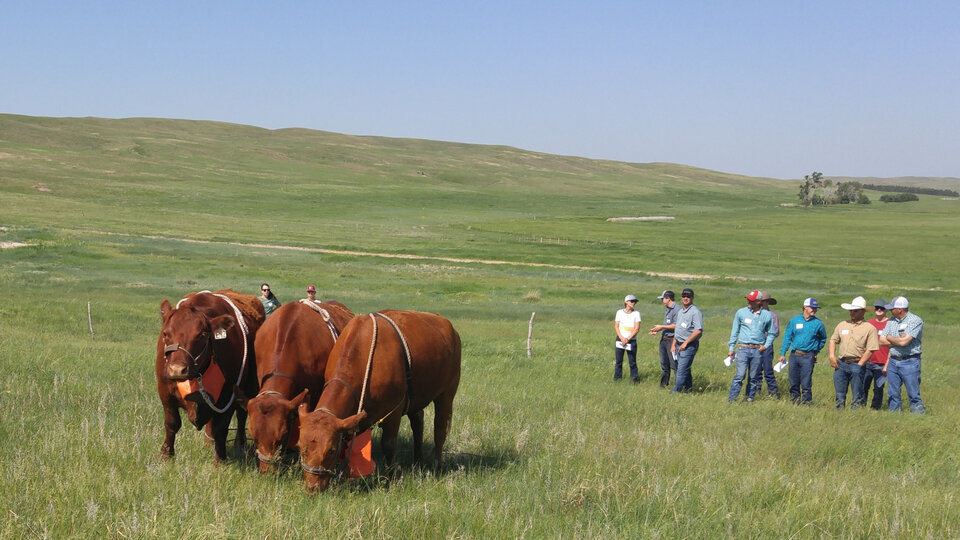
{"x":206,"y":346}
{"x":370,"y":369}
{"x":292,"y":349}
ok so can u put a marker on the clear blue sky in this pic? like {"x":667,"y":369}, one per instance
{"x":765,"y":88}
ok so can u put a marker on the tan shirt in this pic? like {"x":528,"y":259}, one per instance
{"x":854,"y":339}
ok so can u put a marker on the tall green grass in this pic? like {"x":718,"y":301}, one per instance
{"x":547,"y":446}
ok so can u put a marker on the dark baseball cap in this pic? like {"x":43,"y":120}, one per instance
{"x":881,"y":303}
{"x":687,"y":292}
{"x":666,"y":294}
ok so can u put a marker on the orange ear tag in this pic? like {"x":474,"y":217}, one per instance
{"x":212,"y":382}
{"x":361,"y":459}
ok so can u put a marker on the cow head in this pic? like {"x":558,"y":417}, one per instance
{"x":272,"y":421}
{"x":187,"y":337}
{"x":321,"y":444}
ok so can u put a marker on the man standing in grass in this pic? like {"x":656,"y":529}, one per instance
{"x":686,"y":340}
{"x":873,"y":375}
{"x":856,"y":340}
{"x":766,"y":357}
{"x":903,"y":335}
{"x":750,"y":335}
{"x":805,"y":336}
{"x":667,"y":360}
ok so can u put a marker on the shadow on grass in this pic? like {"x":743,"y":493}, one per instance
{"x":404,"y":469}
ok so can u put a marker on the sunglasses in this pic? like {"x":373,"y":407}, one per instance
{"x":265,"y":290}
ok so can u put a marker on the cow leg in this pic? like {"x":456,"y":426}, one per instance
{"x":416,"y":424}
{"x":171,"y":424}
{"x":443,"y":412}
{"x":241,"y":440}
{"x":388,"y":438}
{"x":219,"y":425}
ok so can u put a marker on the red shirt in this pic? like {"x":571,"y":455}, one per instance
{"x":880,"y":355}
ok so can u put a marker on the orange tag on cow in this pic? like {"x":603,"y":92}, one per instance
{"x":212,"y":382}
{"x":361,"y":458}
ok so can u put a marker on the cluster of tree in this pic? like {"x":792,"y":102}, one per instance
{"x":816,"y":191}
{"x":899,"y":197}
{"x":911,"y":189}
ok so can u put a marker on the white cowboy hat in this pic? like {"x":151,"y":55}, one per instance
{"x":858,"y":303}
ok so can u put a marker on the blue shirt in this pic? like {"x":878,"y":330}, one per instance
{"x":910,"y":325}
{"x":670,"y":317}
{"x":688,"y":320}
{"x":803,"y":335}
{"x":752,"y":328}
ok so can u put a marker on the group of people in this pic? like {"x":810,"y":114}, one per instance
{"x":864,"y":354}
{"x":271,"y":302}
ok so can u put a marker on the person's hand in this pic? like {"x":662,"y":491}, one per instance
{"x":884,"y":369}
{"x":782,"y":359}
{"x":833,"y":362}
{"x":762,"y":348}
{"x":730,"y":354}
{"x":683,"y":346}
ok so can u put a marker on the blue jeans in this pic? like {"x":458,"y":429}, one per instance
{"x":631,"y":358}
{"x":848,"y":373}
{"x":801,"y":377}
{"x":747,"y":360}
{"x":906,"y":372}
{"x":667,"y":362}
{"x":684,"y":381}
{"x":766,"y":373}
{"x":872,"y":377}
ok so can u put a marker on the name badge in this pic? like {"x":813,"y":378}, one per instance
{"x":747,"y":321}
{"x":844,"y":332}
{"x":800,"y":326}
{"x":683,"y":325}
{"x":903,"y":327}
{"x":666,"y":321}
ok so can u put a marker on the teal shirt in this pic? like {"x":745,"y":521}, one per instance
{"x":803,"y":335}
{"x":269,"y":304}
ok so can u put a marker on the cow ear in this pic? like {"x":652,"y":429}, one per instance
{"x":240,"y":397}
{"x":301,"y":398}
{"x":351,"y":424}
{"x":221,"y":324}
{"x":165,"y":308}
{"x":302,"y":411}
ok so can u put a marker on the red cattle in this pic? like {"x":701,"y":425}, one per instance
{"x":206,"y":346}
{"x":384,"y":365}
{"x":292,"y":349}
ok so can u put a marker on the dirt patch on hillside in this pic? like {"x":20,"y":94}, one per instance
{"x":11,"y":245}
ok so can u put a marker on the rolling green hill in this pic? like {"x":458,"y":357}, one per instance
{"x":305,"y":188}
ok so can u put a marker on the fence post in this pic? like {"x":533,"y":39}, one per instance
{"x":530,"y":332}
{"x":90,"y":321}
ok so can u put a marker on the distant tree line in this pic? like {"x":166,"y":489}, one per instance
{"x":817,"y":191}
{"x":911,"y":189}
{"x":899,"y":197}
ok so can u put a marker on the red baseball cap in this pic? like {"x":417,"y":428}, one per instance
{"x":752,"y":297}
{"x":310,"y":288}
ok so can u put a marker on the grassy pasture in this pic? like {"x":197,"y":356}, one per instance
{"x":541,"y":447}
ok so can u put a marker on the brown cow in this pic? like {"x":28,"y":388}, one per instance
{"x":398,"y":384}
{"x":292,"y":349}
{"x":201,"y":339}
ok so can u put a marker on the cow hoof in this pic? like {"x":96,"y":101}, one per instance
{"x":165,"y":456}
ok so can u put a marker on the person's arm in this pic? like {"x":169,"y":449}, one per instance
{"x":787,"y":340}
{"x":769,"y":335}
{"x":833,"y":351}
{"x":872,"y":345}
{"x":734,"y":334}
{"x":693,"y":337}
{"x":891,"y":341}
{"x":616,"y":326}
{"x":635,"y":331}
{"x":658,"y":327}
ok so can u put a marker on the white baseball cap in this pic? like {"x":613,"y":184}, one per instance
{"x":900,"y":302}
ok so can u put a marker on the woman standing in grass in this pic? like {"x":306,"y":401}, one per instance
{"x":627,"y":324}
{"x":270,"y":302}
